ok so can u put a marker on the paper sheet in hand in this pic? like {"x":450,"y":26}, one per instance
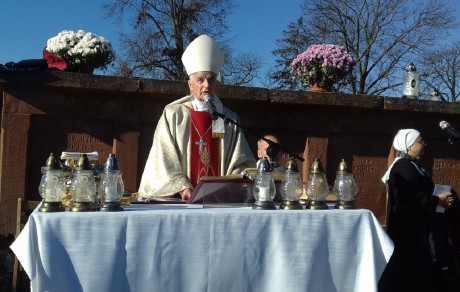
{"x":441,"y":189}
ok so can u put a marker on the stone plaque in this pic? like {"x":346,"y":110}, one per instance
{"x":315,"y":147}
{"x":446,"y":172}
{"x":368,"y":172}
{"x":81,"y":142}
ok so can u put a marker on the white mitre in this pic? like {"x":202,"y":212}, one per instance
{"x":203,"y":54}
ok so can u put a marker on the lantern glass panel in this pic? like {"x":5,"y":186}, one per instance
{"x":291,"y":186}
{"x":264,"y":187}
{"x":83,"y":187}
{"x":317,"y":188}
{"x":52,"y":186}
{"x":111,"y":188}
{"x":345,"y":187}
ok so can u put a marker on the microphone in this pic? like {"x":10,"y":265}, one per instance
{"x":453,"y":133}
{"x":272,"y":149}
{"x":212,"y":109}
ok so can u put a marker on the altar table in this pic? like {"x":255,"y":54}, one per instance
{"x":191,"y":248}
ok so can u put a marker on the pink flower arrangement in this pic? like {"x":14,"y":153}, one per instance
{"x":323,"y":65}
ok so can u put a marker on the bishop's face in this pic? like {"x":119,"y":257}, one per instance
{"x":203,"y":83}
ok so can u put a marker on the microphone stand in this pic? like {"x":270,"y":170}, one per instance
{"x":273,"y":147}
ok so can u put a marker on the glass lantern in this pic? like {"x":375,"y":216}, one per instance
{"x":317,"y":188}
{"x":411,"y":82}
{"x":345,"y":187}
{"x":83,"y":186}
{"x":264,"y":187}
{"x":111,"y":188}
{"x":52,"y":186}
{"x":291,"y":187}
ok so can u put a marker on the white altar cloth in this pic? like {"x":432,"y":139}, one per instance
{"x":190,"y":248}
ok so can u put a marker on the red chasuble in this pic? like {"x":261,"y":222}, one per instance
{"x":205,"y":150}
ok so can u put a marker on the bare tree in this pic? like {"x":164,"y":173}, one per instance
{"x":296,"y":37}
{"x":440,"y":71}
{"x":382,"y":35}
{"x":241,"y":69}
{"x":163,"y":29}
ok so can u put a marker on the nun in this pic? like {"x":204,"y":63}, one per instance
{"x":411,"y":218}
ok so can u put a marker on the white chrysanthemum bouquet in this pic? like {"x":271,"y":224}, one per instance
{"x":81,"y":50}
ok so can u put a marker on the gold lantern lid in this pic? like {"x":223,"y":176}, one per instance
{"x":83,"y":163}
{"x":317,"y":166}
{"x":52,"y":163}
{"x":291,"y":166}
{"x":343,"y":167}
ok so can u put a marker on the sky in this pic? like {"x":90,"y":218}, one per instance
{"x":26,"y":25}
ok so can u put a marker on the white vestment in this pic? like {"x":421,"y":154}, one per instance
{"x":167,"y":169}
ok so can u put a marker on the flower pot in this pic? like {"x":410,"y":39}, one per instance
{"x":82,"y":68}
{"x":317,"y":88}
{"x":88,"y":69}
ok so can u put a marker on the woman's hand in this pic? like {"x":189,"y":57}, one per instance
{"x":446,"y":200}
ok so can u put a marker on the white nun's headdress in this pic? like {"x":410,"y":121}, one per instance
{"x":203,"y":54}
{"x":403,"y":140}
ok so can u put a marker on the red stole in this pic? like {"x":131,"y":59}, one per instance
{"x":207,"y":163}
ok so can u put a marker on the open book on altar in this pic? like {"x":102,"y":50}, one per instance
{"x":235,"y":188}
{"x":222,"y":189}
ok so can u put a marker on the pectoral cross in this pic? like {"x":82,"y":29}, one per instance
{"x":201,"y":143}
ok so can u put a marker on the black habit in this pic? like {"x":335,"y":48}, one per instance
{"x":411,"y":219}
